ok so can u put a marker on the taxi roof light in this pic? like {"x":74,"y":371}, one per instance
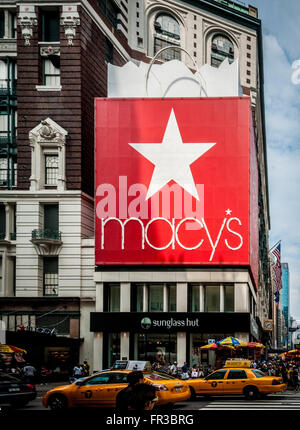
{"x":238,"y":362}
{"x":132,"y":365}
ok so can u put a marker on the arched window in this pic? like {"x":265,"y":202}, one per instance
{"x":221,"y":48}
{"x":166,"y":33}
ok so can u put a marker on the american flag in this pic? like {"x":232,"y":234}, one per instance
{"x":277,"y":267}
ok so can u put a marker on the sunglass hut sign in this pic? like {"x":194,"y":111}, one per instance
{"x":147,"y":323}
{"x":171,"y":186}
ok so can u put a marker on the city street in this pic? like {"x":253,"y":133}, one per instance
{"x":288,"y":400}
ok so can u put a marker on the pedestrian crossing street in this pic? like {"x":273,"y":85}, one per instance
{"x":288,"y":401}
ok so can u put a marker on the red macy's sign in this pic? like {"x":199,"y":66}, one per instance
{"x":176,"y":181}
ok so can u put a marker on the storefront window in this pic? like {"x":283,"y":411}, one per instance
{"x":172,"y":298}
{"x":156,"y":298}
{"x":194,"y":298}
{"x":212,"y":298}
{"x":229,"y":298}
{"x":156,"y":347}
{"x":113,"y":348}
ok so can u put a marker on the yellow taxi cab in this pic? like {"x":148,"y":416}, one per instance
{"x":237,"y":377}
{"x":101,"y":388}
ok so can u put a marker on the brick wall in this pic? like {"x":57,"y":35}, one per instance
{"x":94,"y":84}
{"x":83,"y":77}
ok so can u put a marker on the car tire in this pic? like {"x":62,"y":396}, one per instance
{"x":251,"y":393}
{"x":57,"y":402}
{"x":193,"y":394}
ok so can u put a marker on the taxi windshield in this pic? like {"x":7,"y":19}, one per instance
{"x":155,"y":376}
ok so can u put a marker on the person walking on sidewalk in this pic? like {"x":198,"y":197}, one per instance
{"x":77,"y":371}
{"x":185,"y":371}
{"x":29,"y":373}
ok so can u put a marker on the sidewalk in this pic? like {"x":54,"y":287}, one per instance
{"x":42,"y":389}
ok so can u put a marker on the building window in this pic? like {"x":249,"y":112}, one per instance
{"x":112,"y":297}
{"x":50,"y":270}
{"x":2,"y":26}
{"x":8,"y":172}
{"x":167,"y":33}
{"x":13,"y":25}
{"x":137,"y":297}
{"x":156,"y":298}
{"x":110,"y":10}
{"x":212,"y":298}
{"x":51,"y":218}
{"x":51,"y":71}
{"x":168,"y":26}
{"x":171,"y":298}
{"x":50,"y":26}
{"x":221,"y":48}
{"x":160,"y":348}
{"x":170,"y":54}
{"x":194,"y":298}
{"x":229,"y":298}
{"x":51,"y":169}
{"x":2,"y":222}
{"x":3,"y":171}
{"x":109,"y":51}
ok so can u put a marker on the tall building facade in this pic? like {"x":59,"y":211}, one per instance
{"x":53,"y":63}
{"x":285,"y":292}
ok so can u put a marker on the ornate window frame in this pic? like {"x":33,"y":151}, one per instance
{"x":47,"y":138}
{"x":208,"y":36}
{"x":151,"y":15}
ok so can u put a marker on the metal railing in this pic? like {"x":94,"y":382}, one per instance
{"x":46,"y":234}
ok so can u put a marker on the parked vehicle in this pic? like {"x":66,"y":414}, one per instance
{"x":15,"y":391}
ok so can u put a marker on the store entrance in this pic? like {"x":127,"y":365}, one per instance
{"x":156,"y":347}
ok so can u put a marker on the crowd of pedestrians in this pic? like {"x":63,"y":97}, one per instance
{"x":35,"y":375}
{"x":289,"y":371}
{"x":184,"y":371}
{"x":43,"y":375}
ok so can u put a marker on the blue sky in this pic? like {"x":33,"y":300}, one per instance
{"x":281,"y":38}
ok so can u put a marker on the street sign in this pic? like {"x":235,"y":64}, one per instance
{"x":292,"y":329}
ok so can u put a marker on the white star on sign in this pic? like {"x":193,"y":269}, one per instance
{"x":228,"y":211}
{"x":172,"y":159}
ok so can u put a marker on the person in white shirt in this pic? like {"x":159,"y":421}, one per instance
{"x":77,"y":371}
{"x":173,"y":368}
{"x":29,"y":372}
